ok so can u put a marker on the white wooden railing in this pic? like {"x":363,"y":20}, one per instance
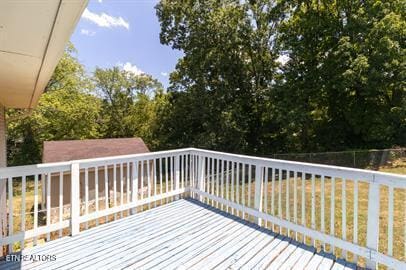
{"x":291,"y":198}
{"x":125,"y":184}
{"x":365,"y":222}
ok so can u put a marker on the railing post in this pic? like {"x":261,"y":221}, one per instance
{"x":177,"y":176}
{"x":373,"y":221}
{"x":190,"y":172}
{"x":258,"y":191}
{"x":134,"y":191}
{"x":200,"y":176}
{"x":75,"y":199}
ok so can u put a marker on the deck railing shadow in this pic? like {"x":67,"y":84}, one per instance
{"x":274,"y":235}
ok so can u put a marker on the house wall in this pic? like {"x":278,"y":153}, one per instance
{"x":91,"y":182}
{"x":3,"y":163}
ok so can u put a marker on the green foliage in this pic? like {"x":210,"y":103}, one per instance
{"x":112,"y":103}
{"x":342,"y":86}
{"x":67,"y":110}
{"x":220,"y":82}
{"x":129,"y":103}
{"x":347,"y":74}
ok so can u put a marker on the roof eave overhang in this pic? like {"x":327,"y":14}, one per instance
{"x":33,"y":37}
{"x":68,"y":15}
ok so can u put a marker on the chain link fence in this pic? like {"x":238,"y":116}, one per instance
{"x":362,"y":159}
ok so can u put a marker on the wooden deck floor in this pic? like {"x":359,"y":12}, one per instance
{"x":184,"y":234}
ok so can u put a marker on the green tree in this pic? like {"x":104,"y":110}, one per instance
{"x":343,"y":86}
{"x":129,"y":103}
{"x":228,"y":64}
{"x":67,"y":110}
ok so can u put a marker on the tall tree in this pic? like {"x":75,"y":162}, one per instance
{"x":343,"y":86}
{"x":228,"y":64}
{"x":129,"y":103}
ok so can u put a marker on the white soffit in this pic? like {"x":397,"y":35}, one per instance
{"x":33,"y":36}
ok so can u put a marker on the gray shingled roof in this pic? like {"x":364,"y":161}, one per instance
{"x":55,"y":151}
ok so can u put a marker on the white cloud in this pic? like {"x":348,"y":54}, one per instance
{"x":165,"y":74}
{"x":100,"y":1}
{"x":87,"y":32}
{"x":105,"y":20}
{"x":131,"y":68}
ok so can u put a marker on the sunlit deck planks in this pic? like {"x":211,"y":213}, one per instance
{"x":184,"y":234}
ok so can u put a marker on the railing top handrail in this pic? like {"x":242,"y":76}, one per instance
{"x":14,"y":171}
{"x":392,"y":179}
{"x":107,"y":160}
{"x":401,"y":149}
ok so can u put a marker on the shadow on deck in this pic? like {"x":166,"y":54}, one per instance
{"x":184,"y":234}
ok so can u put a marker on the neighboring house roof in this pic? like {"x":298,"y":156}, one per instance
{"x":33,"y":36}
{"x":55,"y":151}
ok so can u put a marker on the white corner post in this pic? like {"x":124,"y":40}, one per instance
{"x":177,"y":176}
{"x":194,"y":176}
{"x":373,"y":222}
{"x":134,"y":191}
{"x":43,"y":190}
{"x":258,"y":191}
{"x":200,"y":176}
{"x":3,"y":182}
{"x":190,"y":173}
{"x":75,"y":199}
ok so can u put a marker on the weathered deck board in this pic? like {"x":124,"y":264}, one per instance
{"x":184,"y":234}
{"x":152,"y":235}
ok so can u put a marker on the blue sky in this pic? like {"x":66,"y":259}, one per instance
{"x":124,"y":33}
